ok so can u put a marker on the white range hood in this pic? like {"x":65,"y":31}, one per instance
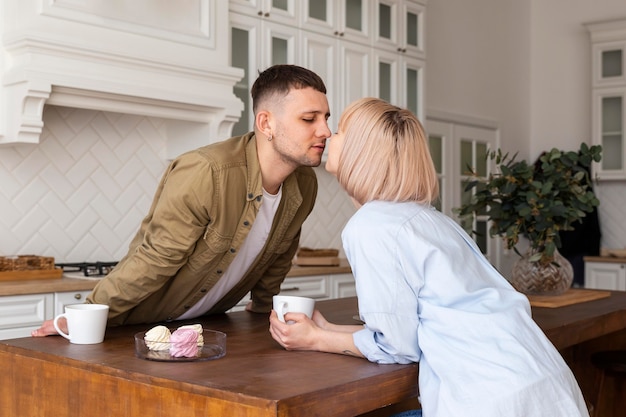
{"x":144,"y":57}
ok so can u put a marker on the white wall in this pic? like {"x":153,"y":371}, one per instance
{"x":560,"y":65}
{"x":477,"y":63}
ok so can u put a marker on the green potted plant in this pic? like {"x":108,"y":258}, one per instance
{"x":535,"y":201}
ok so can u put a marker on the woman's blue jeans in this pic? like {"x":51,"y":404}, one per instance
{"x":410,"y":413}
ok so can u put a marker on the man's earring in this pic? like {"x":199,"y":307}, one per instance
{"x":269,"y":138}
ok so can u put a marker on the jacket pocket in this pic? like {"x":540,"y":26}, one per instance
{"x":208,"y":251}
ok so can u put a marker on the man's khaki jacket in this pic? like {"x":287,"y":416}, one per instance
{"x":202,"y":212}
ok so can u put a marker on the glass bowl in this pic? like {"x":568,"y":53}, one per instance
{"x":214,"y":347}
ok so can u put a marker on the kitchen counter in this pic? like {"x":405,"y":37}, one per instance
{"x":259,"y":378}
{"x":76,"y":284}
{"x":256,"y":377}
{"x":39,"y":286}
{"x":608,"y":259}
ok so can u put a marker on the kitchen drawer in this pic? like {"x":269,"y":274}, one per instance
{"x":61,"y":299}
{"x":342,"y":285}
{"x":605,"y":276}
{"x":20,"y":314}
{"x":315,"y":286}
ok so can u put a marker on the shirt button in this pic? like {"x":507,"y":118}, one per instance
{"x":250,"y":195}
{"x":246,"y":223}
{"x":232,"y":250}
{"x":258,"y":198}
{"x":219,"y":271}
{"x":203,"y":290}
{"x":187,"y":307}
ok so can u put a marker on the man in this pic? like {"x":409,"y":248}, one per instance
{"x":226,"y":218}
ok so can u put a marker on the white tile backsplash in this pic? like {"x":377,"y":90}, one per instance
{"x":81,"y":193}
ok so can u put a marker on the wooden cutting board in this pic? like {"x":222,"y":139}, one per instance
{"x":316,"y":261}
{"x":56,"y":273}
{"x":571,"y":296}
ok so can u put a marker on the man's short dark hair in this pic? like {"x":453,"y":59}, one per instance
{"x":280,"y":79}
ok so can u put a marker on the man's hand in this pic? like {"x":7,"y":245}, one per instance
{"x":47,"y":328}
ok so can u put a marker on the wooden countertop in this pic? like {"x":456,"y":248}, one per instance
{"x":45,"y":286}
{"x":577,"y":323}
{"x":75,"y":284}
{"x":301,"y":271}
{"x":256,"y":378}
{"x":608,"y":259}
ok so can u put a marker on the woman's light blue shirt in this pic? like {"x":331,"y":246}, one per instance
{"x":429,"y":295}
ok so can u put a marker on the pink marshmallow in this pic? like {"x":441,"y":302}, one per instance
{"x":184,"y":343}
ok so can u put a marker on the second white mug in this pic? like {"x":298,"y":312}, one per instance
{"x":284,"y":304}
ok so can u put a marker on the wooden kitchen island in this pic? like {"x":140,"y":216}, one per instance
{"x":49,"y":376}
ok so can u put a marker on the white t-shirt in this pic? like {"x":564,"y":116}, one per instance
{"x":248,"y":252}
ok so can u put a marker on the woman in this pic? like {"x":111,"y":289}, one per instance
{"x":426,"y":292}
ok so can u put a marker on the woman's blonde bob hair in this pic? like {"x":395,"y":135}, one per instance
{"x":385,"y":154}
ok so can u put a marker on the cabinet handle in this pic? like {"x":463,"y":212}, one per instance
{"x":267,"y":15}
{"x":290,"y":289}
{"x":78,"y":296}
{"x":260,"y":13}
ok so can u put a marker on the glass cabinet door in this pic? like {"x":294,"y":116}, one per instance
{"x":280,"y":11}
{"x":608,"y":82}
{"x":608,"y":64}
{"x":412,"y":29}
{"x":257,"y":44}
{"x":435,"y":145}
{"x":345,"y":19}
{"x":611,"y":63}
{"x":399,"y":25}
{"x":612,"y":132}
{"x":412,"y":80}
{"x":473,"y":145}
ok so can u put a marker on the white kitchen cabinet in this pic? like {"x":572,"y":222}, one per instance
{"x":608,"y":51}
{"x":61,"y":299}
{"x":398,"y":57}
{"x":21,"y":314}
{"x":342,"y":286}
{"x":360,"y":48}
{"x":344,"y":66}
{"x":279,"y":11}
{"x":257,"y":44}
{"x":399,"y":79}
{"x":348,"y":20}
{"x":136,"y":57}
{"x":399,"y":26}
{"x":605,"y":276}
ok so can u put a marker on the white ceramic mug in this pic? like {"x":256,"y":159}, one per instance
{"x":284,"y":304}
{"x":86,"y":323}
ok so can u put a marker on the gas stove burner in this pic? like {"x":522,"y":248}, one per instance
{"x":89,"y":269}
